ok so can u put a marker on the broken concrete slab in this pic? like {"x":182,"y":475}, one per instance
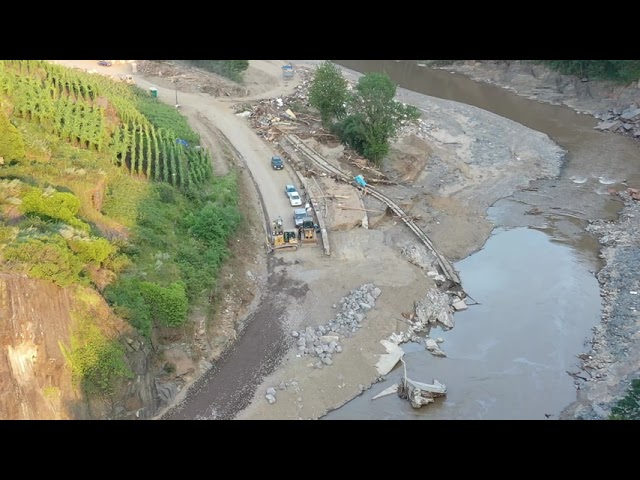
{"x":433,"y":348}
{"x":436,"y":387}
{"x":434,"y":308}
{"x":389,"y":360}
{"x":419,"y":393}
{"x":459,"y":304}
{"x":630,"y":115}
{"x":608,"y":126}
{"x":387,"y":391}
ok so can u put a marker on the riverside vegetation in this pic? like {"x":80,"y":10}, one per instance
{"x":106,"y":192}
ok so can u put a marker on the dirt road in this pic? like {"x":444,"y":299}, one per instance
{"x":205,"y":112}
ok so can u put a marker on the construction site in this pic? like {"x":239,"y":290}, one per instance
{"x":370,"y":263}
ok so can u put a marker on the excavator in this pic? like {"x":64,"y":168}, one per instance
{"x":282,"y":239}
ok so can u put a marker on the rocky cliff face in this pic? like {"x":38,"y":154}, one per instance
{"x":35,"y":379}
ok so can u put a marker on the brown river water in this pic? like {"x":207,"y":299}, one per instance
{"x":534,"y":279}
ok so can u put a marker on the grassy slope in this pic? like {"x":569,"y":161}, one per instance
{"x":165,"y":245}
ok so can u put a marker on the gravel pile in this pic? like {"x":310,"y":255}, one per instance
{"x":324,"y":341}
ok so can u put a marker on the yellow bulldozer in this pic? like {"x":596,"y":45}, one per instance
{"x":308,"y":231}
{"x":282,"y":239}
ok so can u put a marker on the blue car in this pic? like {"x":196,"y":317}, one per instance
{"x":277,"y":163}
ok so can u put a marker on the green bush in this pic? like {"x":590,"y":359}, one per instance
{"x":169,"y":305}
{"x":56,"y":205}
{"x":49,"y":260}
{"x":124,"y":196}
{"x":199,"y":266}
{"x":628,"y":408}
{"x":11,"y":141}
{"x":166,"y":193}
{"x":95,"y":250}
{"x":214,"y":223}
{"x":125,"y":296}
{"x":117,"y":263}
{"x":97,"y":363}
{"x":623,"y":71}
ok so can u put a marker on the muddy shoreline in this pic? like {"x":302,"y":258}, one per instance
{"x":613,"y":359}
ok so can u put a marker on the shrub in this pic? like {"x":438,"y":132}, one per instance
{"x":95,"y":250}
{"x":117,"y":263}
{"x":48,"y":259}
{"x":127,"y":301}
{"x":57,"y":205}
{"x":97,"y":362}
{"x":168,"y":305}
{"x":11,"y":141}
{"x":628,"y":408}
{"x":213,"y":223}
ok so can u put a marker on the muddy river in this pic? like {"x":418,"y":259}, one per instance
{"x":507,"y":358}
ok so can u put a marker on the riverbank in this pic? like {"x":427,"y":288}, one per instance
{"x":613,"y":356}
{"x":450,"y":168}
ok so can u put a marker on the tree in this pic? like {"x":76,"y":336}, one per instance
{"x":11,"y":141}
{"x":328,"y":92}
{"x":375,"y":116}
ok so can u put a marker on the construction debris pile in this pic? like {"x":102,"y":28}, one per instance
{"x":275,"y":117}
{"x":420,"y":129}
{"x":324,"y":341}
{"x":419,"y":393}
{"x":434,"y":310}
{"x":190,"y":79}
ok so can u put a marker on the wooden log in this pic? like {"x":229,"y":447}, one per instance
{"x":361,"y":209}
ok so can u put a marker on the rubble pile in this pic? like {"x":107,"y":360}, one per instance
{"x":418,"y":255}
{"x":271,"y":392}
{"x":324,"y":341}
{"x":275,"y":116}
{"x":620,"y":120}
{"x":434,"y":310}
{"x":190,"y":80}
{"x":420,"y":129}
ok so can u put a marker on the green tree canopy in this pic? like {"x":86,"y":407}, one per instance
{"x":328,"y":92}
{"x":376,"y":116}
{"x":616,"y":70}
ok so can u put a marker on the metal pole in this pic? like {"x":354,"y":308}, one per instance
{"x":176,"y":83}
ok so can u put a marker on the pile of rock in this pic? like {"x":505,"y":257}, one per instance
{"x":625,"y":121}
{"x":434,"y":310}
{"x":324,"y":341}
{"x":271,"y":393}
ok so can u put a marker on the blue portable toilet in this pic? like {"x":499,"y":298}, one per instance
{"x":360,"y":181}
